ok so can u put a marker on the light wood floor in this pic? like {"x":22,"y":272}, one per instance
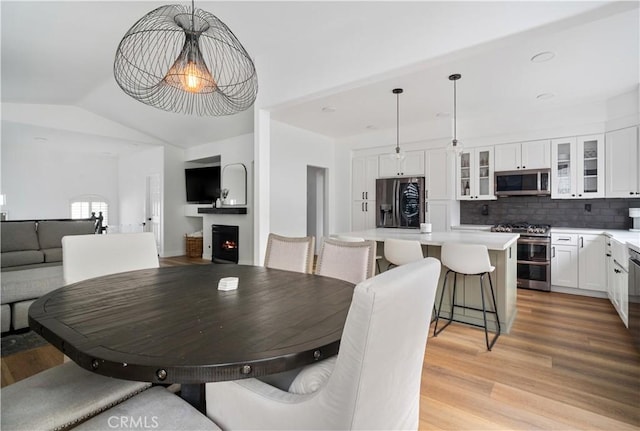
{"x":567,"y":364}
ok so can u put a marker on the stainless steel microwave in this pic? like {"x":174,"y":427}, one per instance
{"x":523,"y":182}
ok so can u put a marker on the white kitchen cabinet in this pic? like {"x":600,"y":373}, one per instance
{"x":523,"y":155}
{"x":591,"y":260}
{"x":577,"y":167}
{"x":622,"y":160}
{"x":577,"y":261}
{"x":621,"y":288}
{"x":442,"y":214}
{"x":364,"y":173}
{"x":618,"y":278}
{"x":475,"y":174}
{"x":412,"y":164}
{"x":363,"y":215}
{"x":440,"y":174}
{"x":611,"y":293}
{"x":564,"y":260}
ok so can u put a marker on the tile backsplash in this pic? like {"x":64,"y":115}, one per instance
{"x":579,"y":213}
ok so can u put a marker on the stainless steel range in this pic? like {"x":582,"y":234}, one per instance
{"x":534,"y":253}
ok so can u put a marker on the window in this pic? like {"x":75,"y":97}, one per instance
{"x":83,"y":207}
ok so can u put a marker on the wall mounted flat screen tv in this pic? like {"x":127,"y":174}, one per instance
{"x":203,"y":184}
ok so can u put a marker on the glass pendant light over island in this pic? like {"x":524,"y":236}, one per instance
{"x":397,"y":154}
{"x":455,"y":146}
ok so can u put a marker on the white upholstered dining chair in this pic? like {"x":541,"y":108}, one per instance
{"x":64,"y":395}
{"x":89,"y":256}
{"x":352,"y":261}
{"x":374,"y":382}
{"x":290,"y":253}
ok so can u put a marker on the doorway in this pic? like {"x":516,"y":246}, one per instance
{"x":153,"y":203}
{"x":317,"y":208}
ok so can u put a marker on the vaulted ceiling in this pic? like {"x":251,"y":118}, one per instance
{"x":60,"y":54}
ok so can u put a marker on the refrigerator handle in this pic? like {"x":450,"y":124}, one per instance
{"x":396,"y":203}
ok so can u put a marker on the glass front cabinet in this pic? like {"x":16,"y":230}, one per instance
{"x":475,"y":174}
{"x":577,"y":167}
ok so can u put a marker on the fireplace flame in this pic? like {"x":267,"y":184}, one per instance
{"x":229,"y":245}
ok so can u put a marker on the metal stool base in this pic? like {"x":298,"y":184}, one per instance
{"x":484,"y":311}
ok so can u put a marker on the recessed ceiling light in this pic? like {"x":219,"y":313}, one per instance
{"x":328,"y":109}
{"x":371,"y":127}
{"x":40,"y":138}
{"x":443,"y":114}
{"x":545,"y":96}
{"x":541,"y":57}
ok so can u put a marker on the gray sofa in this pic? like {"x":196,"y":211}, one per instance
{"x":31,"y":262}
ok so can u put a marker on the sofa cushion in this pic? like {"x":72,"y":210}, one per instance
{"x":20,"y":314}
{"x":25,"y":257}
{"x":50,"y":232}
{"x":5,"y":316}
{"x":30,"y":283}
{"x":19,"y":236}
{"x":53,"y":254}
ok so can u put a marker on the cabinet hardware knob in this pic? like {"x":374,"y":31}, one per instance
{"x":523,"y":167}
{"x":631,"y":193}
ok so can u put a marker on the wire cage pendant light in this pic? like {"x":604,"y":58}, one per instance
{"x":398,"y":154}
{"x":455,"y":145}
{"x":185,"y":60}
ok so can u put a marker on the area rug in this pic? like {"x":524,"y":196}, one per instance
{"x":14,"y":343}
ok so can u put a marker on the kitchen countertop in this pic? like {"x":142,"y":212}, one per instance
{"x":482,"y":227}
{"x":493,"y":240}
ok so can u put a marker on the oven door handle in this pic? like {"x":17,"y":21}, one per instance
{"x":553,"y":252}
{"x":522,"y":240}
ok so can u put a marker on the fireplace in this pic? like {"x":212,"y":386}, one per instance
{"x":224,"y":243}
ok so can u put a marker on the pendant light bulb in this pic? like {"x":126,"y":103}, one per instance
{"x":398,"y":154}
{"x":455,"y":146}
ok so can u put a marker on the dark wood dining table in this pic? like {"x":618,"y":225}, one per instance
{"x":172,"y":324}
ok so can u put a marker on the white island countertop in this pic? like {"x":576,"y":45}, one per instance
{"x":493,"y":240}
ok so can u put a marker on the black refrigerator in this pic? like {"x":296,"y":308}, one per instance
{"x":400,"y":202}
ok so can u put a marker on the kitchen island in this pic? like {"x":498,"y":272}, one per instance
{"x":502,"y":253}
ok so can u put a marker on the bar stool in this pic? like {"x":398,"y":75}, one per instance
{"x":401,"y":251}
{"x":468,"y":260}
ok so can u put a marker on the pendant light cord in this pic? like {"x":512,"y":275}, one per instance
{"x":455,"y":115}
{"x":398,"y":123}
{"x":193,"y":12}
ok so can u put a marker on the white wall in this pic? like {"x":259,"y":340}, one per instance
{"x":624,"y":110}
{"x":39,"y":180}
{"x":133,"y":170}
{"x":292,"y":150}
{"x":233,"y":150}
{"x":176,"y":224}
